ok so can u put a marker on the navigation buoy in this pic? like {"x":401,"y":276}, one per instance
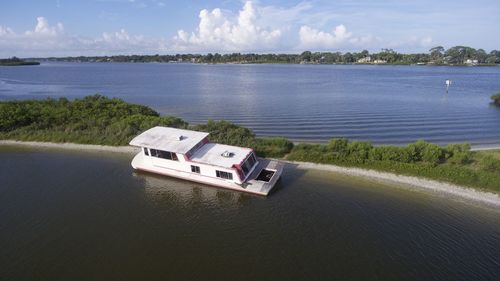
{"x":448,"y":84}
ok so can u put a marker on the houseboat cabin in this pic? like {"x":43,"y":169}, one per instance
{"x":189,"y":155}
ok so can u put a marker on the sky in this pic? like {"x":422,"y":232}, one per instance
{"x":34,"y":28}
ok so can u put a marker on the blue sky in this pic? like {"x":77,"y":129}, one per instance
{"x":107,"y":27}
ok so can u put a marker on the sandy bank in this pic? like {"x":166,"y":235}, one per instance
{"x":72,"y":146}
{"x":447,"y":189}
{"x":471,"y":194}
{"x":485,"y":147}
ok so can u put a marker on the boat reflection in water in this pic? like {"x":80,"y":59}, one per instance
{"x":158,"y":188}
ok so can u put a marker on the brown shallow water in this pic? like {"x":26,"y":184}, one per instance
{"x":89,"y":216}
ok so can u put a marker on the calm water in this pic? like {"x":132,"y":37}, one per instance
{"x":383,"y":104}
{"x":76,"y":216}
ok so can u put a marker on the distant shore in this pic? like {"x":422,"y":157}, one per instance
{"x":469,"y":194}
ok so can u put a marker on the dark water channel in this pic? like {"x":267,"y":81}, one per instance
{"x":89,"y":216}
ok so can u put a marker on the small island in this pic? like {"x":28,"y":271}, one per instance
{"x":15,"y":61}
{"x":99,"y":120}
{"x":496,"y":99}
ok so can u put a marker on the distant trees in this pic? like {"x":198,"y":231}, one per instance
{"x":496,"y":99}
{"x":16,"y":61}
{"x":437,"y":55}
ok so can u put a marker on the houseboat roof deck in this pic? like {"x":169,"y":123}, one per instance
{"x":212,"y":153}
{"x":169,"y":139}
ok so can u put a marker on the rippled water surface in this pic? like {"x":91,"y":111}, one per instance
{"x":383,"y":104}
{"x":88,"y":216}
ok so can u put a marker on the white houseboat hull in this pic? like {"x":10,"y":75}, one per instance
{"x":251,"y":185}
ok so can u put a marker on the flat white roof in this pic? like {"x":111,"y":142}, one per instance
{"x":169,"y":139}
{"x":211,"y":153}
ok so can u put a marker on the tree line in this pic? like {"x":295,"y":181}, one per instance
{"x":13,"y":61}
{"x":457,"y":55}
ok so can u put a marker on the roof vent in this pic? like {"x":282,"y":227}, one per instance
{"x":227,"y":154}
{"x":180,"y":137}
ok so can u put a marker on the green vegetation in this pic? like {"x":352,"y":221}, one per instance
{"x":458,"y":55}
{"x":14,"y":61}
{"x":91,"y":120}
{"x":101,"y":120}
{"x":231,"y":134}
{"x":496,"y":99}
{"x":454,"y":163}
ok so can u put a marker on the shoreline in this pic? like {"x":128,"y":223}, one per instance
{"x":72,"y":146}
{"x":436,"y":187}
{"x":443,"y":188}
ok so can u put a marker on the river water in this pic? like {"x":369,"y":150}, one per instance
{"x":89,"y":216}
{"x":382,"y":104}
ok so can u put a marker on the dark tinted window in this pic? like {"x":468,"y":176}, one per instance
{"x":163,"y":154}
{"x":146,"y":151}
{"x":195,"y":169}
{"x":224,"y":175}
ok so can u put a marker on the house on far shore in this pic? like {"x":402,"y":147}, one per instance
{"x":471,"y":62}
{"x":365,"y":60}
{"x":379,"y":61}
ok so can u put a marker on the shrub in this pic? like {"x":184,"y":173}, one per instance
{"x":432,"y":154}
{"x":490,"y":164}
{"x":390,"y":153}
{"x":359,"y":151}
{"x":93,"y":119}
{"x":272,"y":147}
{"x":496,"y":99}
{"x":415,"y":150}
{"x":460,"y":158}
{"x":458,"y":153}
{"x":231,"y":134}
{"x":339,"y":147}
{"x":227,"y":133}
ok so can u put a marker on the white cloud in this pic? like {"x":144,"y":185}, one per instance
{"x":218,"y":31}
{"x":5,"y":31}
{"x":43,"y":28}
{"x":338,"y":38}
{"x":313,"y":38}
{"x":50,"y":40}
{"x":254,"y":28}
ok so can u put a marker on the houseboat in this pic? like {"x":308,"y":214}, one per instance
{"x":190,"y":156}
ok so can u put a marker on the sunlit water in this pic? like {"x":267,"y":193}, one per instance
{"x":383,"y":104}
{"x":89,"y":216}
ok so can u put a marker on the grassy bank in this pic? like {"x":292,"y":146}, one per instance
{"x":454,"y":163}
{"x":100,"y":120}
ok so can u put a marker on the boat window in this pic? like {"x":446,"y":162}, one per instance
{"x":248,"y":165}
{"x":164,"y":154}
{"x":224,"y":175}
{"x":245,"y":168}
{"x":252,"y":159}
{"x":146,"y":151}
{"x":195,"y":169}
